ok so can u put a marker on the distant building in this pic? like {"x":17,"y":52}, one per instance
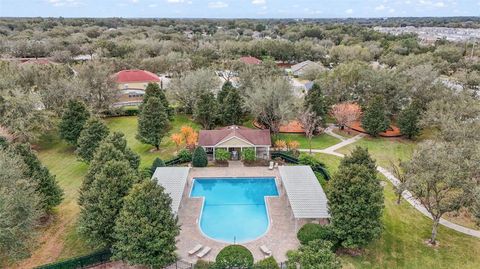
{"x":298,"y":69}
{"x":132,"y":85}
{"x":250,"y":60}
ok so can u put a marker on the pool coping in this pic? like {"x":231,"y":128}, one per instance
{"x":267,"y":204}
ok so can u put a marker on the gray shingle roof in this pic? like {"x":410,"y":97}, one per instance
{"x":173,"y":179}
{"x":306,"y":196}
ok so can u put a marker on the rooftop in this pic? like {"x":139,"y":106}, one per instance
{"x":252,"y":136}
{"x":250,"y":60}
{"x":135,"y":75}
{"x":306,"y":196}
{"x":173,"y":179}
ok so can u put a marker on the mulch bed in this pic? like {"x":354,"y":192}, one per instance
{"x":293,"y":127}
{"x":256,"y":163}
{"x":393,"y":131}
{"x":220,"y":163}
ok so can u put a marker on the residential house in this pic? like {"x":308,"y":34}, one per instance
{"x":250,"y":60}
{"x":132,"y":85}
{"x":298,"y":69}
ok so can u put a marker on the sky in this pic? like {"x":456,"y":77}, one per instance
{"x":238,"y":8}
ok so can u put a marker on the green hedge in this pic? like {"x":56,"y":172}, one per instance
{"x":234,"y":256}
{"x":312,"y":231}
{"x":268,"y":263}
{"x":222,"y":155}
{"x":249,"y":154}
{"x":79,"y":262}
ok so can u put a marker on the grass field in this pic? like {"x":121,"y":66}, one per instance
{"x":318,"y":142}
{"x":128,"y":126}
{"x":60,"y":240}
{"x":402,"y":244}
{"x":384,"y":150}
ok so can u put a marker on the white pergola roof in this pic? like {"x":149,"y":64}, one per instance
{"x":173,"y":179}
{"x":306,"y":196}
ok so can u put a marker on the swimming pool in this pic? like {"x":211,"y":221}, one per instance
{"x":234,"y":209}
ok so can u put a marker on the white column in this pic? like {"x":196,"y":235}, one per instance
{"x":214,"y":153}
{"x":268,"y":152}
{"x":255,"y":148}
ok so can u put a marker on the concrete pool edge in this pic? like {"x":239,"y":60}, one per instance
{"x":266,"y":204}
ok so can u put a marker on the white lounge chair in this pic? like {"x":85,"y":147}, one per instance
{"x":266,"y":251}
{"x":271,"y":166}
{"x":195,"y":249}
{"x":204,"y":252}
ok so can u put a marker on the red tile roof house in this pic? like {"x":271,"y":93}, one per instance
{"x":250,"y":60}
{"x":132,"y":84}
{"x":234,"y":139}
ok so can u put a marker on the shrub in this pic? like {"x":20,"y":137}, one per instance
{"x":234,"y":256}
{"x":307,"y":159}
{"x":249,"y":154}
{"x":268,"y":263}
{"x":280,"y":144}
{"x":185,"y":155}
{"x":201,"y":264}
{"x":222,"y":155}
{"x":156,"y":163}
{"x":199,"y":158}
{"x":313,"y":231}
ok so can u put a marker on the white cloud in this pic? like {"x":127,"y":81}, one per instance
{"x":60,"y":3}
{"x":217,"y":4}
{"x":152,"y":5}
{"x":259,"y":2}
{"x":175,"y":1}
{"x":349,"y":11}
{"x":134,"y":1}
{"x":391,"y":10}
{"x":380,"y":8}
{"x":439,"y":4}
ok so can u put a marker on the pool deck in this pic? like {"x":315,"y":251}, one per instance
{"x":280,"y":237}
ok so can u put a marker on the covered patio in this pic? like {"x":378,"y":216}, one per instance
{"x":305,"y":195}
{"x":235,"y":139}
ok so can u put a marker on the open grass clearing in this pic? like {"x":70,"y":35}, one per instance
{"x":321,"y":141}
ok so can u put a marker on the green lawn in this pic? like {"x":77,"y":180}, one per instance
{"x":384,"y":150}
{"x":128,"y":126}
{"x":402,"y":243}
{"x":318,"y":142}
{"x":61,"y":240}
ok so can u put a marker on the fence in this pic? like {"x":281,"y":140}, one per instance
{"x":174,"y":161}
{"x":103,"y":256}
{"x":291,"y":159}
{"x":95,"y":258}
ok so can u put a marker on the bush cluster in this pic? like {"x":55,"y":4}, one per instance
{"x":234,"y":256}
{"x":312,"y":231}
{"x":249,"y":154}
{"x":222,"y":155}
{"x":199,"y":158}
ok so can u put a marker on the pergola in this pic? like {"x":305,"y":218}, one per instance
{"x":173,"y":179}
{"x":305,"y":194}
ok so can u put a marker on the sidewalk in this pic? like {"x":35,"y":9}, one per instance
{"x":406,"y":194}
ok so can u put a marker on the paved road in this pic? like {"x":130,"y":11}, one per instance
{"x":406,"y":194}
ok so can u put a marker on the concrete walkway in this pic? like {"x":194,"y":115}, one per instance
{"x":331,"y":150}
{"x":329,"y":131}
{"x":406,"y":194}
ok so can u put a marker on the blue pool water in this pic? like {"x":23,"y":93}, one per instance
{"x":234,"y":208}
